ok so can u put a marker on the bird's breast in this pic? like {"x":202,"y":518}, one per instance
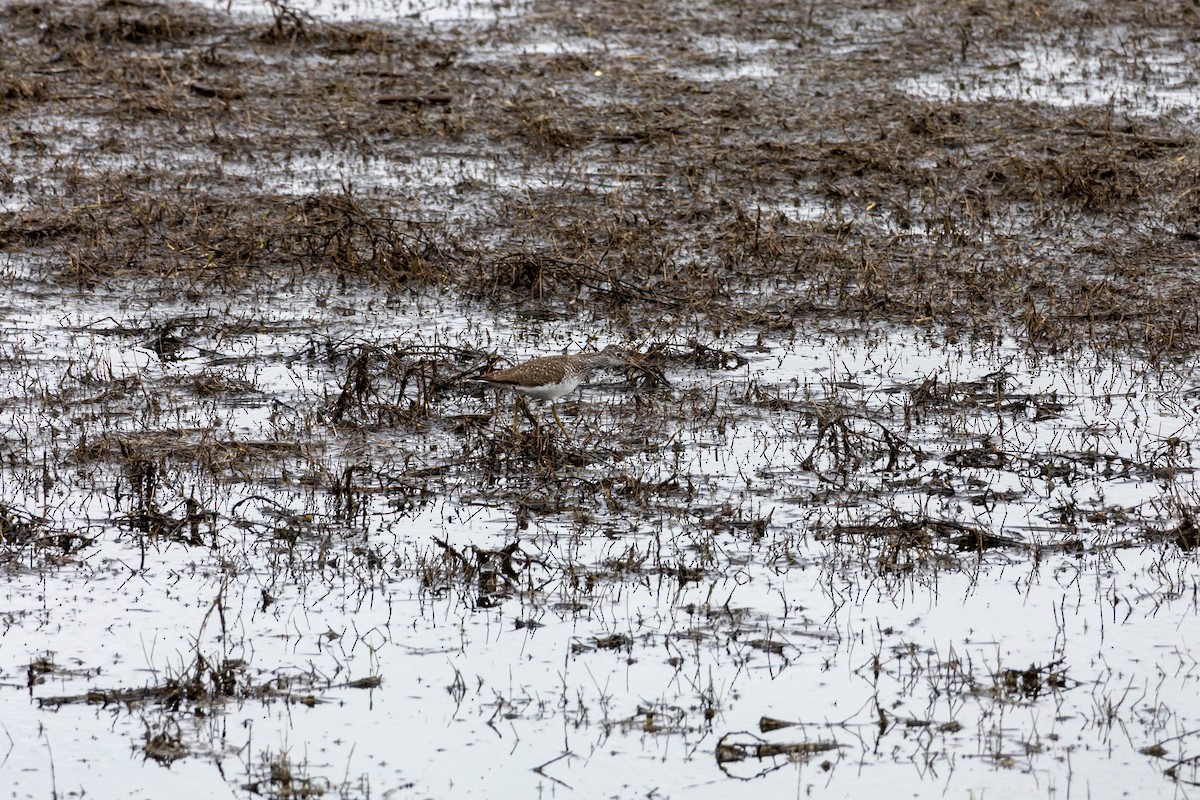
{"x":548,"y":391}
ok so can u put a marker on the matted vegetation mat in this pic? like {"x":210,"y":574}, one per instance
{"x":897,"y":492}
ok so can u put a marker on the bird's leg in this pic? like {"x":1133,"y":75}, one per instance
{"x":523,"y":406}
{"x":561,"y":427}
{"x":516,"y":408}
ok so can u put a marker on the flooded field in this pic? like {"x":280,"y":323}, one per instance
{"x":897,"y":496}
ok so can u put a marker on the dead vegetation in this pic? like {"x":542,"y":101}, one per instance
{"x":675,"y":198}
{"x":223,"y":182}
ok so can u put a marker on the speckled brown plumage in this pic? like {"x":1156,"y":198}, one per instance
{"x":552,"y":377}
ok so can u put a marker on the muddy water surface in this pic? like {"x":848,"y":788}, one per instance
{"x":898,"y":497}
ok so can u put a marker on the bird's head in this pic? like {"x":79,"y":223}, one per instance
{"x":613,"y":356}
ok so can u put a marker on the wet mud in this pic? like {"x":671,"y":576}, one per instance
{"x":899,"y":490}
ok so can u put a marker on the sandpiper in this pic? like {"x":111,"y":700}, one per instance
{"x":552,"y":377}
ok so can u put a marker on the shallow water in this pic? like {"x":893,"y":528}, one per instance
{"x":797,"y":535}
{"x":1137,"y":73}
{"x":785,"y":621}
{"x":377,"y":10}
